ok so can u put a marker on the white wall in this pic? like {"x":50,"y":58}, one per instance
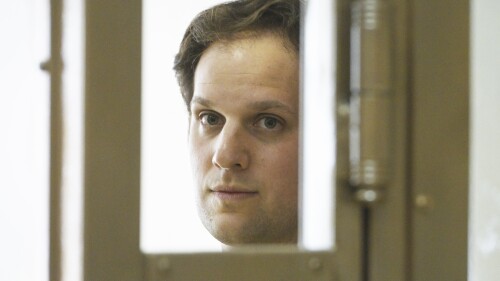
{"x":484,"y":239}
{"x":24,"y":140}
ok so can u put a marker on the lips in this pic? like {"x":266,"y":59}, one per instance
{"x":233,"y":193}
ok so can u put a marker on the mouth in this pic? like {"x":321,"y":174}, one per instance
{"x":230,"y":193}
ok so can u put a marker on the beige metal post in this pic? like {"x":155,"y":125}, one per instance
{"x":54,"y":67}
{"x":440,"y":133}
{"x":112,"y":141}
{"x":389,"y":227}
{"x":348,"y":212}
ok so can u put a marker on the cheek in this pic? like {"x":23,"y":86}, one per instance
{"x":285,"y":155}
{"x":281,"y":166}
{"x":199,"y":155}
{"x":283,"y":195}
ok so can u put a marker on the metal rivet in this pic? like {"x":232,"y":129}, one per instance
{"x":423,"y":202}
{"x":314,"y":264}
{"x":343,"y":110}
{"x":163,"y":264}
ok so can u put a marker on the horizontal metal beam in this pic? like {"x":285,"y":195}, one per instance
{"x":243,"y":265}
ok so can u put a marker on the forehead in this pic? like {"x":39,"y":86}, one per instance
{"x":248,"y":67}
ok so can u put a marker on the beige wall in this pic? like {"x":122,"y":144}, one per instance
{"x":484,"y":255}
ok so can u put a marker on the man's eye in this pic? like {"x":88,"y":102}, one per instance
{"x":210,"y":119}
{"x":270,"y":123}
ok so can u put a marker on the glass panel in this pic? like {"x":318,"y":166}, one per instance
{"x":167,"y":193}
{"x":24,"y":142}
{"x":72,"y":184}
{"x":318,"y":126}
{"x":484,"y":241}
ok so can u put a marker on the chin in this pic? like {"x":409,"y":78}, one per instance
{"x":233,"y":236}
{"x":233,"y":229}
{"x":232,"y":232}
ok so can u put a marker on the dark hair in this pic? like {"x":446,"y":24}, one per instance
{"x":232,"y":20}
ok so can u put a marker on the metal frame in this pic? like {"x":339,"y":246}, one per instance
{"x":112,"y":141}
{"x":373,"y":240}
{"x":54,"y":66}
{"x":349,"y":239}
{"x":112,"y":167}
{"x":426,"y":199}
{"x":267,"y":263}
{"x":440,"y":139}
{"x":425,"y":205}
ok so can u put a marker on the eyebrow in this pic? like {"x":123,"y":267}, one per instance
{"x":201,"y":101}
{"x":271,"y":104}
{"x":257,"y":106}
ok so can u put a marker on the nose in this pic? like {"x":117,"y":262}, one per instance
{"x":231,"y":151}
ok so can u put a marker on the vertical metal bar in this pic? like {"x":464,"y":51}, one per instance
{"x":378,"y":134}
{"x":369,"y":109}
{"x":112,"y":140}
{"x":440,"y":130}
{"x":54,"y":65}
{"x":349,"y":248}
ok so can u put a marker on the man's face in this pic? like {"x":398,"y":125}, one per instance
{"x":244,"y":140}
